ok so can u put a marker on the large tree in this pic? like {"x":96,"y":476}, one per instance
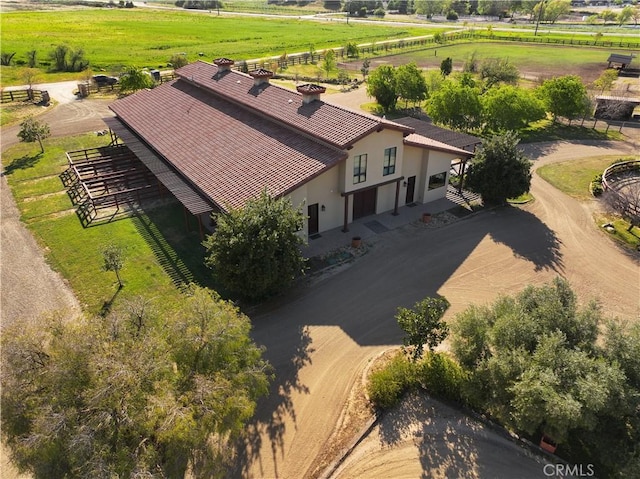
{"x":499,"y":170}
{"x":455,"y":105}
{"x":565,"y":96}
{"x":510,"y":108}
{"x":536,"y":364}
{"x":382,"y":85}
{"x":255,"y":251}
{"x":411,"y":84}
{"x":498,"y":70}
{"x":134,"y":79}
{"x":429,"y":7}
{"x":329,"y":61}
{"x":136,"y":394}
{"x":423,"y":324}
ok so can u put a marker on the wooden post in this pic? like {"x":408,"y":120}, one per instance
{"x":345,"y":227}
{"x":395,"y":206}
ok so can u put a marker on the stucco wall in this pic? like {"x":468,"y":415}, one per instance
{"x":413,"y":166}
{"x":439,"y":162}
{"x":327,"y":189}
{"x":324,"y":190}
{"x":373,"y":146}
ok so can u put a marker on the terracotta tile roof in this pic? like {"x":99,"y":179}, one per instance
{"x":450,"y":137}
{"x":423,"y":142}
{"x":227,"y":153}
{"x":173,"y":181}
{"x":330,"y":123}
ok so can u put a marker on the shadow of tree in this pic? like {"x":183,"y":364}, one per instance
{"x":411,"y":264}
{"x":108,"y":304}
{"x":399,"y":422}
{"x":443,"y":435}
{"x":22,"y":163}
{"x":533,"y":240}
{"x":274,"y":410}
{"x":447,"y":444}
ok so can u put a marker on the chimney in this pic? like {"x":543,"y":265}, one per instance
{"x":261,"y":76}
{"x":223,"y":64}
{"x":310,"y":92}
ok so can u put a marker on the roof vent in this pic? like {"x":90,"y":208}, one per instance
{"x":261,"y":76}
{"x":310,"y":92}
{"x":223,"y":64}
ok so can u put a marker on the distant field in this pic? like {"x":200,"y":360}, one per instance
{"x":533,"y":60}
{"x":111,"y":38}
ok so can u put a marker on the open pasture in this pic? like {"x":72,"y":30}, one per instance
{"x":532,"y":60}
{"x":112,"y":38}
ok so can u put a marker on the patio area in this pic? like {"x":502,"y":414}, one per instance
{"x":445,"y":210}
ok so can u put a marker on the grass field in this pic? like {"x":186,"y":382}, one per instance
{"x":573,"y":178}
{"x":112,"y":38}
{"x":539,"y":60}
{"x":160,"y":253}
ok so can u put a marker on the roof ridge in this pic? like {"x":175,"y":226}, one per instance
{"x":280,"y":119}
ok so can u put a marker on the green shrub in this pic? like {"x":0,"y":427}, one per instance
{"x":596,"y":185}
{"x":441,"y":376}
{"x":387,"y":385}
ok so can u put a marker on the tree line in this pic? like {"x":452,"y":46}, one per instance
{"x":135,"y":393}
{"x":484,"y":97}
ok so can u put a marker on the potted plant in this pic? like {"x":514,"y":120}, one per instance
{"x":426,"y":217}
{"x":356,"y":241}
{"x":548,"y":444}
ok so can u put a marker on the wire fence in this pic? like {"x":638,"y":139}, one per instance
{"x":418,"y":43}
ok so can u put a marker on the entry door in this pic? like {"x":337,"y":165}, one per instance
{"x":364,"y":203}
{"x":312,"y":212}
{"x":411,"y":188}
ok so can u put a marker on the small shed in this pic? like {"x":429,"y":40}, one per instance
{"x":619,"y":60}
{"x":615,"y":107}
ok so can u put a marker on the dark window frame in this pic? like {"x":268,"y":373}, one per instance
{"x":435,"y":182}
{"x":389,"y":167}
{"x":359,"y":169}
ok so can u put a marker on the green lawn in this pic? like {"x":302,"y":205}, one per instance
{"x":111,"y":38}
{"x":548,"y":60}
{"x":161,"y":255}
{"x":573,"y":178}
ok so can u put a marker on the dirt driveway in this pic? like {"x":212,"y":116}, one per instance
{"x":322,"y":338}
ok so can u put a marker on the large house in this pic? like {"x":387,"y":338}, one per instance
{"x":216,"y":137}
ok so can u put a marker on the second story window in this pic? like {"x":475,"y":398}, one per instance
{"x":359,"y":169}
{"x":389,"y":165}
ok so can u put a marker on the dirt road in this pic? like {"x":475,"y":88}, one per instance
{"x":23,"y":267}
{"x":321,"y":340}
{"x":28,"y":286}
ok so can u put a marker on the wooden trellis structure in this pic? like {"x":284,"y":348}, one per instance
{"x":107,"y":178}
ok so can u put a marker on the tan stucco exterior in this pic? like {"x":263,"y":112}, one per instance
{"x":329,"y":189}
